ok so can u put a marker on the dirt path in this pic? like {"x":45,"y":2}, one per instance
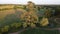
{"x":52,"y":29}
{"x":37,"y":28}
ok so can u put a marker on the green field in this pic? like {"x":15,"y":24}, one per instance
{"x":39,"y":31}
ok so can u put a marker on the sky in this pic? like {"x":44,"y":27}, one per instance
{"x":25,"y":1}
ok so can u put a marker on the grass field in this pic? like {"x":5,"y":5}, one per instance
{"x":39,"y":31}
{"x":7,"y":9}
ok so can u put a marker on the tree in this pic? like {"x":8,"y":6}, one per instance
{"x":30,"y":16}
{"x":44,"y":22}
{"x":48,"y":12}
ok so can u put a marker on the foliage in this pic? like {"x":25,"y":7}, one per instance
{"x":32,"y":25}
{"x":5,"y":29}
{"x":44,"y":22}
{"x":16,"y":25}
{"x":6,"y":8}
{"x":24,"y":25}
{"x":30,"y":16}
{"x":48,"y":13}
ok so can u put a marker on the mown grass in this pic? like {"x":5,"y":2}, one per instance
{"x":39,"y":31}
